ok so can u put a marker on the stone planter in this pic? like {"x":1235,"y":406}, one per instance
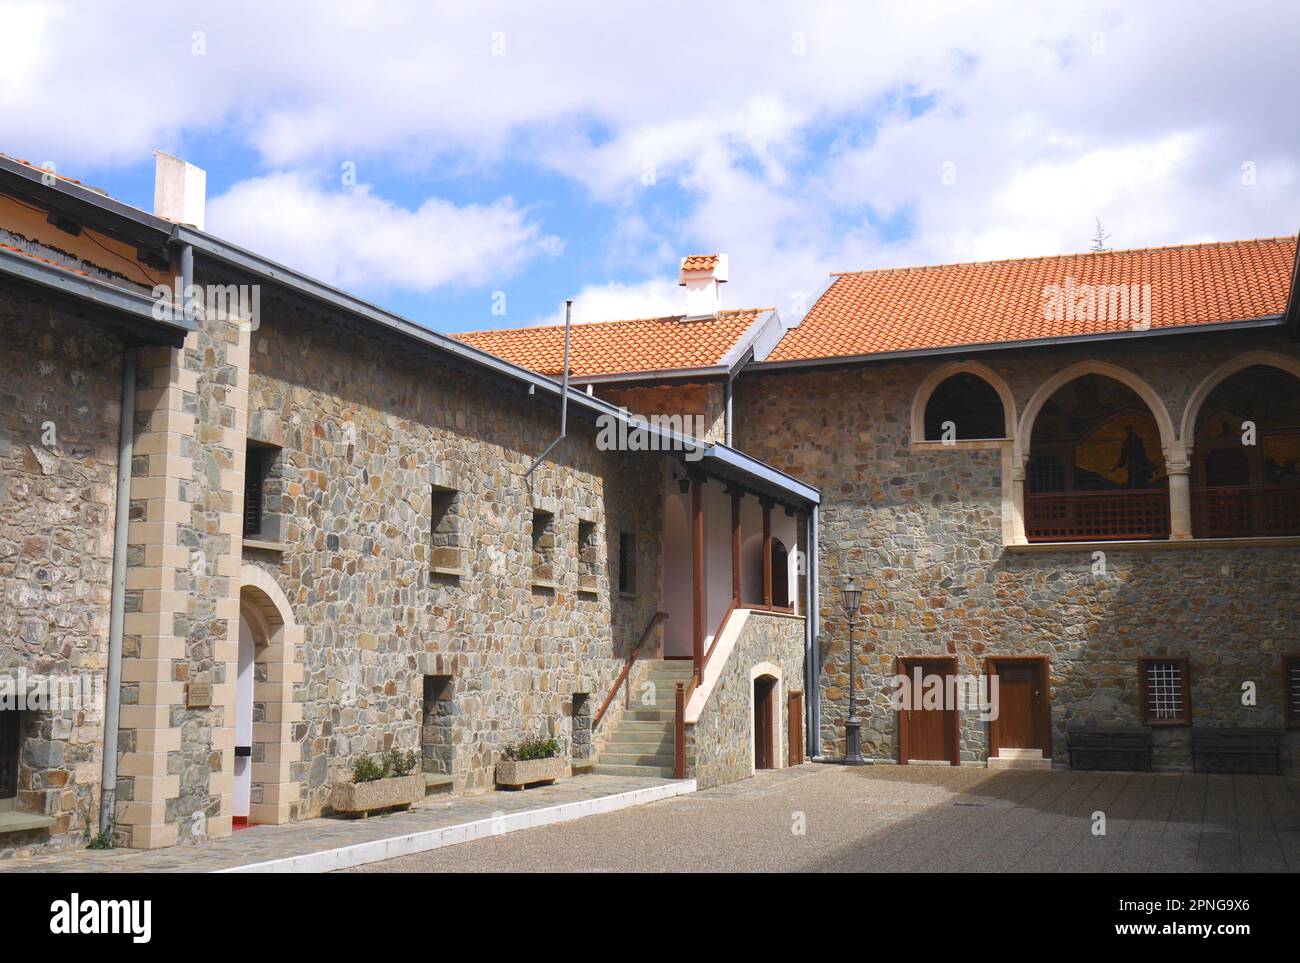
{"x":527,"y":772}
{"x":368,"y":797}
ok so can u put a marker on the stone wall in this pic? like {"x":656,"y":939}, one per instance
{"x":367,"y":426}
{"x":926,"y":529}
{"x":60,"y":409}
{"x":721,"y":743}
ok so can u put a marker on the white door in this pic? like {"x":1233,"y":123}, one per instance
{"x":243,"y":721}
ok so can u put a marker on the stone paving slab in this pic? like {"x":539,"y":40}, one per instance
{"x":262,"y":843}
{"x":907,"y":819}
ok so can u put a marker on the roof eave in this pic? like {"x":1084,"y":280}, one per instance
{"x":1267,"y":321}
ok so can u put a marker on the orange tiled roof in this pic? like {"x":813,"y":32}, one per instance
{"x":619,"y":347}
{"x":699,"y":262}
{"x":44,"y":260}
{"x":950,"y":305}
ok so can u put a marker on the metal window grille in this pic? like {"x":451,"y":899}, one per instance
{"x":1165,"y":690}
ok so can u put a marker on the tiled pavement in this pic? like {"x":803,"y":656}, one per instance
{"x":261,"y":843}
{"x":899,"y":819}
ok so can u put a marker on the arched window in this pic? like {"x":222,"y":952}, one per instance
{"x":1246,"y":456}
{"x":964,"y":406}
{"x":1096,"y":468}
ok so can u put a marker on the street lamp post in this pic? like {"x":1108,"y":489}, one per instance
{"x":851,"y":594}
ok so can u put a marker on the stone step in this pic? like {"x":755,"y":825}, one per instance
{"x":635,"y":759}
{"x":648,"y":772}
{"x":625,"y":747}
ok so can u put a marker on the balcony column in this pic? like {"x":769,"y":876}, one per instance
{"x":697,"y":574}
{"x":1017,"y":498}
{"x":735,"y":546}
{"x":1178,"y":466}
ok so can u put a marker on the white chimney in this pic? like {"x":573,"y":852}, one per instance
{"x":701,"y":275}
{"x":179,"y":190}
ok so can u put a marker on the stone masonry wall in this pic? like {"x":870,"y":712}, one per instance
{"x":706,"y":400}
{"x":56,"y":547}
{"x":367,"y":427}
{"x":925,"y":529}
{"x":721,"y":743}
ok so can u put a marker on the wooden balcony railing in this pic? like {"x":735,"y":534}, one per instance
{"x":1097,"y":516}
{"x":1246,"y":511}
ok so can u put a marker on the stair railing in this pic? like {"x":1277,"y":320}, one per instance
{"x":627,"y":667}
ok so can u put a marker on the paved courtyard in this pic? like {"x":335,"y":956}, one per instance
{"x":901,"y":819}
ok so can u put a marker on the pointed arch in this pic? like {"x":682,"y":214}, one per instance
{"x":1159,"y":411}
{"x":1187,"y":428}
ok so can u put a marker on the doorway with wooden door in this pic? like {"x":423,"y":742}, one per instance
{"x":1020,"y":734}
{"x":928,"y":733}
{"x":764,"y":729}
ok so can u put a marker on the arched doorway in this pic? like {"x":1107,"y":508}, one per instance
{"x":765,"y":728}
{"x":264,"y":713}
{"x":1096,"y":467}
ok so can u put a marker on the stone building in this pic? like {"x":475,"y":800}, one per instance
{"x":1074,"y":477}
{"x":284,"y":529}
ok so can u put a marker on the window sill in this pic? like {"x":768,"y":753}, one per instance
{"x":543,"y":585}
{"x":445,"y":571}
{"x":589,"y":591}
{"x":627,"y":595}
{"x":266,"y":546}
{"x":19,"y":822}
{"x":963,"y":444}
{"x":1281,"y":541}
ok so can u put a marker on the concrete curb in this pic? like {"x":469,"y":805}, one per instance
{"x":377,"y":850}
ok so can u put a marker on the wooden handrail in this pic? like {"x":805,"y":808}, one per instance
{"x":627,"y":667}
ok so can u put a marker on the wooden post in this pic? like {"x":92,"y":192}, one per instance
{"x":767,"y":553}
{"x":735,"y":546}
{"x":697,"y":573}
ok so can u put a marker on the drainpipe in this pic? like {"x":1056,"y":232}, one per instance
{"x":727,"y":395}
{"x":564,"y":395}
{"x":812,"y":661}
{"x":117,"y":601}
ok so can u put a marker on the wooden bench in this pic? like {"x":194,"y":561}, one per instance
{"x":1236,"y":750}
{"x":1110,"y":748}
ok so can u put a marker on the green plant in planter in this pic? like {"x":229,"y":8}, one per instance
{"x":390,"y":764}
{"x":531,"y":747}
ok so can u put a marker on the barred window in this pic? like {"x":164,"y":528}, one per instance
{"x":1291,"y":690}
{"x":627,"y":563}
{"x":10,"y":743}
{"x":1165,"y":691}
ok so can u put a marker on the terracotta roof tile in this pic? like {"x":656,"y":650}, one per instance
{"x":699,"y":262}
{"x":950,"y":305}
{"x":619,"y":347}
{"x":44,"y":260}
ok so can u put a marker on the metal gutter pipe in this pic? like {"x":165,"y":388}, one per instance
{"x":117,"y":601}
{"x":564,"y":393}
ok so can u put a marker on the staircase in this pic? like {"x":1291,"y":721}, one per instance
{"x":642,"y":745}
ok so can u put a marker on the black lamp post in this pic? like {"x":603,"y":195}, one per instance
{"x":851,"y":596}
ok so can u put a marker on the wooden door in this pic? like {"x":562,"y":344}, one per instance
{"x":928,"y":734}
{"x":1022,"y":706}
{"x":763,"y":730}
{"x":10,"y":736}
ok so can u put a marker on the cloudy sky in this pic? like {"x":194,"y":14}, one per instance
{"x":446,"y":158}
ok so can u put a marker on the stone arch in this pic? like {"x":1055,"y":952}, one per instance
{"x":1159,"y":412}
{"x":275,"y":750}
{"x":941,"y":374}
{"x":1187,"y":427}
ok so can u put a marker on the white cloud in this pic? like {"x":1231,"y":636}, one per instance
{"x":801,"y":138}
{"x":651,"y":298}
{"x":353,"y":238}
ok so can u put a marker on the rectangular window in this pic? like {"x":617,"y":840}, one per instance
{"x":543,"y":549}
{"x":448,"y":549}
{"x":259,"y":459}
{"x":10,"y":739}
{"x":587,"y":567}
{"x":1291,"y":690}
{"x":1164,"y":688}
{"x":437,"y":742}
{"x":627,"y":563}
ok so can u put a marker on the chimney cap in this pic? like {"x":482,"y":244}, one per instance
{"x":700,"y":267}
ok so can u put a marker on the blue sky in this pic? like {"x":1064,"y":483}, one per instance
{"x":578,"y":150}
